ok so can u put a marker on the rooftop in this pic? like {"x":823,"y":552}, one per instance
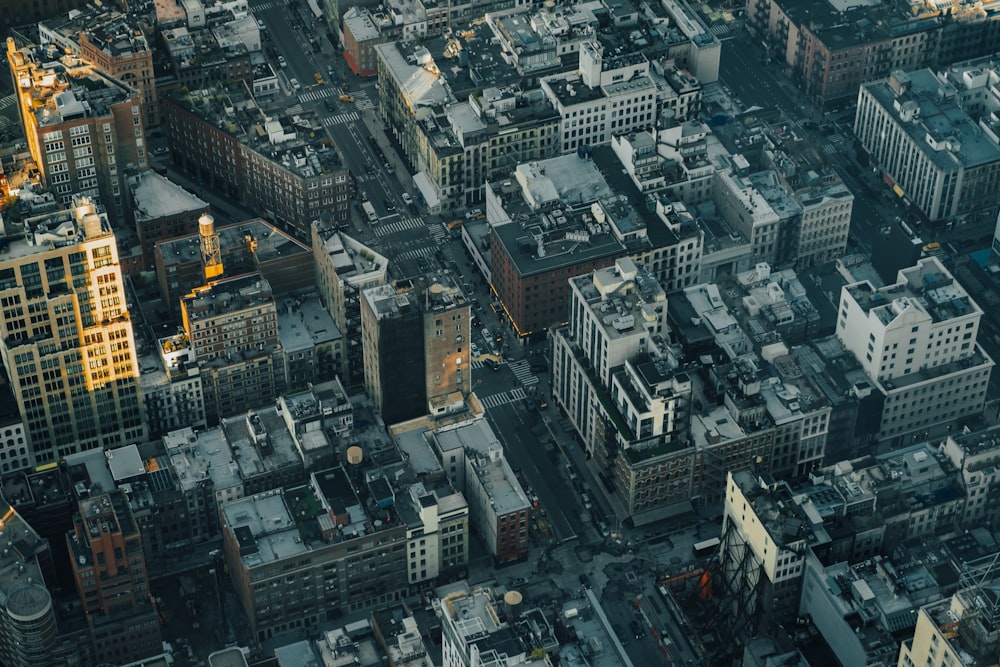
{"x":294,"y":142}
{"x":200,"y":457}
{"x":84,"y":222}
{"x":109,"y":30}
{"x":927,"y":287}
{"x":304,"y":323}
{"x":260,"y":442}
{"x":927,"y":109}
{"x":227,"y":296}
{"x":264,"y":528}
{"x":63,"y":87}
{"x":155,"y":196}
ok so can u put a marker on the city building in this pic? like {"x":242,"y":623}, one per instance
{"x":416,"y":338}
{"x":437,"y":531}
{"x":831,"y":57}
{"x":929,"y":149}
{"x":28,"y":620}
{"x":339,"y":536}
{"x":343,"y":268}
{"x":767,"y":533}
{"x":312,"y":345}
{"x":112,"y":580}
{"x":15,"y":453}
{"x":162,"y":210}
{"x":188,"y":262}
{"x":475,"y":630}
{"x":961,"y":629}
{"x":230,"y":330}
{"x":975,"y":455}
{"x":916,"y":341}
{"x":84,"y":129}
{"x":278,"y":166}
{"x":544,"y":229}
{"x":472,"y":458}
{"x":68,"y":345}
{"x":615,"y":376}
{"x":202,"y":58}
{"x":610,"y":94}
{"x":360,"y":35}
{"x":112,"y":42}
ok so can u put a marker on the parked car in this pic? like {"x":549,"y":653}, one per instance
{"x":407,"y":199}
{"x":389,"y":169}
{"x":475,"y":350}
{"x":281,"y":61}
{"x":294,"y":83}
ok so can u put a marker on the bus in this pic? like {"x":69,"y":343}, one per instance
{"x":370,"y":212}
{"x":706,"y":548}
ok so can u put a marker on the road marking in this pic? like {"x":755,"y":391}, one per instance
{"x":314,"y":95}
{"x":341,"y":119}
{"x":397,"y":226}
{"x":522,"y":371}
{"x":503,"y":398}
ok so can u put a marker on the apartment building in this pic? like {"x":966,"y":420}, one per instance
{"x":832,"y":57}
{"x":437,"y":519}
{"x":343,"y":268}
{"x":916,"y":341}
{"x":230,"y":327}
{"x":960,"y":629}
{"x":112,"y":581}
{"x":610,"y":94}
{"x":416,"y":341}
{"x":162,"y":211}
{"x":766,"y":535}
{"x":618,"y":381}
{"x":472,"y":457}
{"x":111,"y":41}
{"x":913,"y":126}
{"x":475,"y":630}
{"x":360,"y":37}
{"x":189,"y":261}
{"x":84,"y":129}
{"x":68,"y":345}
{"x":341,"y":554}
{"x":274,"y":165}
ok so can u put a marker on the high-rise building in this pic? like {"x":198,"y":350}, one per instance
{"x":916,"y":341}
{"x":416,"y":345}
{"x":67,"y":341}
{"x":112,"y":580}
{"x":344,"y":266}
{"x":82,"y":127}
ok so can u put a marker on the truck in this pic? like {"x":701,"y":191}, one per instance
{"x":370,"y":212}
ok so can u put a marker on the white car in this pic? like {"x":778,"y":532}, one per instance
{"x":281,"y":61}
{"x":407,"y":199}
{"x":475,"y":350}
{"x":294,"y":83}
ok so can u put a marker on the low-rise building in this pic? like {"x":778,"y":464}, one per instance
{"x":472,"y":457}
{"x":162,"y":211}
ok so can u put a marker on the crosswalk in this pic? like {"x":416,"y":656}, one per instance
{"x":8,"y":101}
{"x":522,"y":371}
{"x":830,"y":149}
{"x":362,"y":102}
{"x":503,"y":398}
{"x":417,"y":253}
{"x":437,"y":231}
{"x":396,"y":226}
{"x":269,"y":4}
{"x":342,"y":118}
{"x":720,"y":30}
{"x":293,"y":110}
{"x":318,"y":94}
